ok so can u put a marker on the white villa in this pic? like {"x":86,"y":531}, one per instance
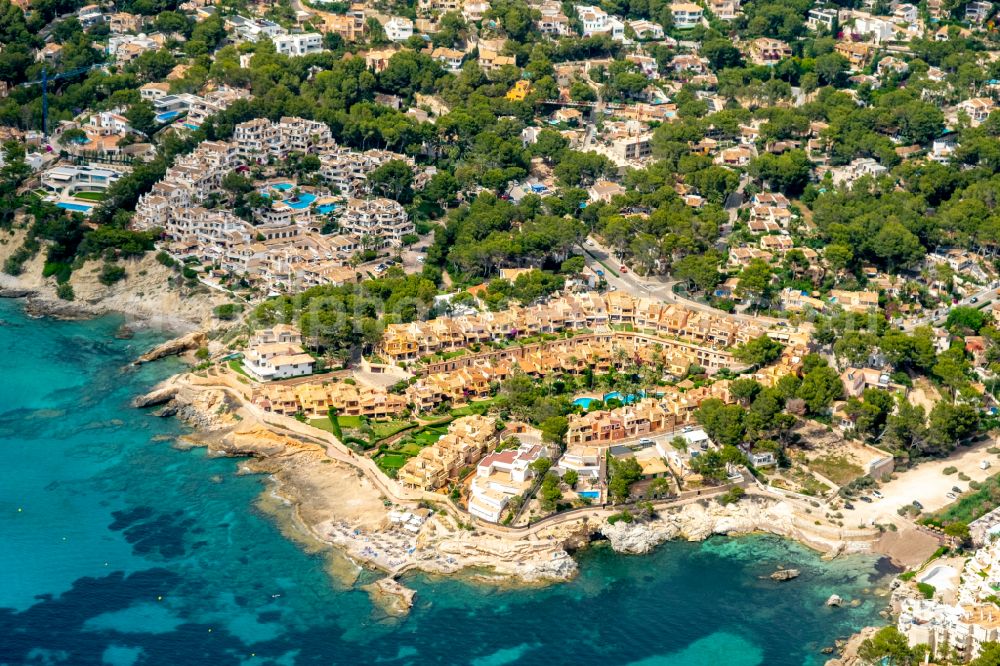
{"x":499,"y":477}
{"x":276,"y":353}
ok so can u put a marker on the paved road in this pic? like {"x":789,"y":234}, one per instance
{"x":979,"y":299}
{"x":659,"y":286}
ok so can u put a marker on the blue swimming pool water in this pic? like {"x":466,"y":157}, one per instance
{"x":589,"y":494}
{"x":628,"y":400}
{"x":282,"y":186}
{"x":80,"y":208}
{"x":167,"y":116}
{"x":326,"y":208}
{"x":614,"y":395}
{"x":190,"y":126}
{"x":303,"y":201}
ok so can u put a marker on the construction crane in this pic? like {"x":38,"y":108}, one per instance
{"x":44,"y":82}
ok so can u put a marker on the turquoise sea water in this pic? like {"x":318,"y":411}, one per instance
{"x":119,"y":549}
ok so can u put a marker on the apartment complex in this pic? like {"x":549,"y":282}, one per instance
{"x":347,"y":170}
{"x":672,"y":407}
{"x":706,"y":338}
{"x":645,"y":417}
{"x":468,"y":439}
{"x":282,"y":249}
{"x":382,"y":220}
{"x":316,"y":400}
{"x":259,"y":139}
{"x":962,"y":627}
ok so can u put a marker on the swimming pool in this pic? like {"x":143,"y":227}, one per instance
{"x":190,"y":126}
{"x":614,"y":395}
{"x":628,"y":399}
{"x":283,"y":187}
{"x":303,"y":201}
{"x":326,"y":208}
{"x":167,"y":116}
{"x":80,"y":208}
{"x":589,"y":494}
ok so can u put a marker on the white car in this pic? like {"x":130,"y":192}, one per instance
{"x":589,"y":242}
{"x":950,"y":495}
{"x":877,"y":494}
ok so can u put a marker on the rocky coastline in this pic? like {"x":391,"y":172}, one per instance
{"x":147,"y":297}
{"x":340,"y":506}
{"x":303,"y":476}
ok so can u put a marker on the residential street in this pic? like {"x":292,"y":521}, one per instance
{"x":651,"y":287}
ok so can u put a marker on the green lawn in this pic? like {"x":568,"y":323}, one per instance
{"x":350,"y":421}
{"x":322,"y":424}
{"x":428,"y":436}
{"x":390,"y":463}
{"x":477,"y":407}
{"x":90,"y":196}
{"x":381,"y":430}
{"x":237,"y":366}
{"x":351,"y":427}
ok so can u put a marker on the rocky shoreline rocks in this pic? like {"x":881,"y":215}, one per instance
{"x":148,"y":296}
{"x":175,"y":347}
{"x":782,"y":575}
{"x":391,"y":595}
{"x":341,"y":507}
{"x":698,"y":521}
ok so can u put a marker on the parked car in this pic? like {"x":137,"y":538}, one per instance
{"x":918,"y":505}
{"x":589,"y":242}
{"x":985,"y":464}
{"x":951,"y":495}
{"x":866,"y":499}
{"x":956,"y":489}
{"x":974,"y":299}
{"x":623,"y":269}
{"x":848,"y":506}
{"x":877,"y":494}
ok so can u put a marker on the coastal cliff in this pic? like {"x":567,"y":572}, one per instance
{"x":148,"y":293}
{"x":698,"y":521}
